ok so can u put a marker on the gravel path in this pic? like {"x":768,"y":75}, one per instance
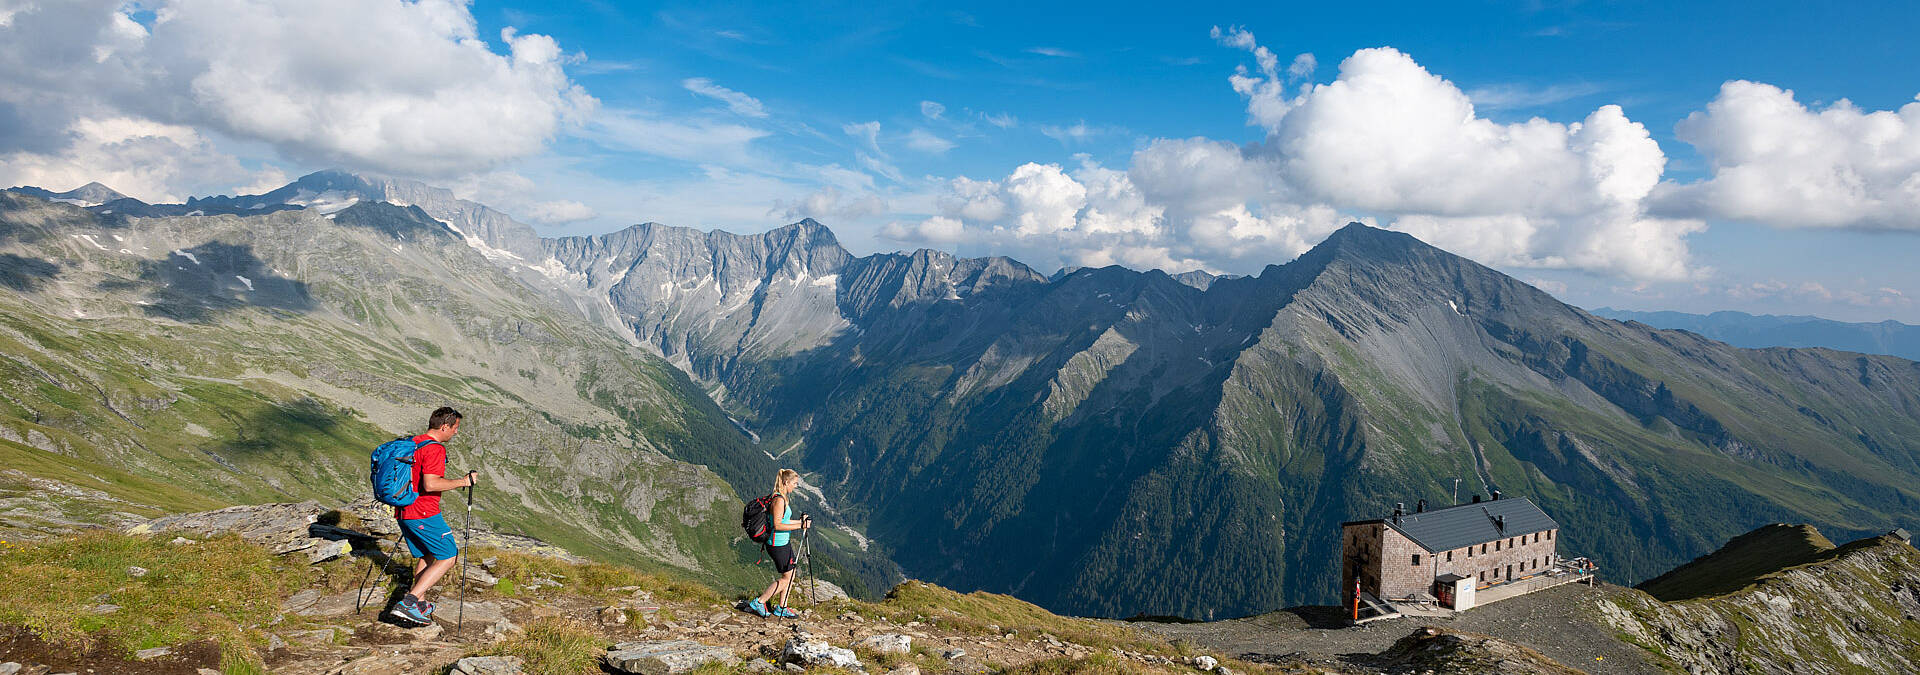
{"x":1558,"y":622}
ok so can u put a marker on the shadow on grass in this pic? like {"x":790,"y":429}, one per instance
{"x":195,"y":285}
{"x":25,"y":274}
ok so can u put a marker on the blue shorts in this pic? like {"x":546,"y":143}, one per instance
{"x":429,"y":537}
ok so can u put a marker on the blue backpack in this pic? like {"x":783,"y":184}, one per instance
{"x":393,"y":471}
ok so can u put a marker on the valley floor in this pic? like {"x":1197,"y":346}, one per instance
{"x":1560,"y":623}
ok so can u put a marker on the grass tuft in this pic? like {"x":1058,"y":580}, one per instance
{"x":1097,"y":664}
{"x":554,"y":646}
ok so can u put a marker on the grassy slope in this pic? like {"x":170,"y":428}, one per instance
{"x":176,"y":395}
{"x":1843,"y":609}
{"x":1739,"y":564}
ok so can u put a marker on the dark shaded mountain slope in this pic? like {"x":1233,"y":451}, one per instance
{"x":1115,"y":442}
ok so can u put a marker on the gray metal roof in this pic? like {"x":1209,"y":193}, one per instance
{"x":1468,"y":524}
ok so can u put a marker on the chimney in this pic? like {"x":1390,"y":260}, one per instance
{"x":1500,"y":522}
{"x":1496,"y":495}
{"x":1399,"y":508}
{"x":1420,"y":507}
{"x":1476,"y":499}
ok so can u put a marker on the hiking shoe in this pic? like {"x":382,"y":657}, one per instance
{"x":407,"y":612}
{"x":427,"y":607}
{"x":784,"y":612}
{"x":758,"y":607}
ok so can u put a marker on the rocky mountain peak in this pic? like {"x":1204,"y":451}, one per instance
{"x":96,"y":193}
{"x":89,"y":195}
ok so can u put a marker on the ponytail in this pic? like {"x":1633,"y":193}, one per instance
{"x":785,"y":481}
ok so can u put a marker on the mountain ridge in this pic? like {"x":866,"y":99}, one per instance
{"x":952,"y":408}
{"x":1768,"y":330}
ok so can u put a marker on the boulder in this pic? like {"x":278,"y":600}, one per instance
{"x":887,"y":643}
{"x":477,"y":611}
{"x":154,"y":653}
{"x":612,"y":616}
{"x":480,"y":576}
{"x":1205,"y":662}
{"x":810,"y":653}
{"x":323,"y":550}
{"x":665,"y":657}
{"x":282,"y":528}
{"x":818,"y":590}
{"x":9,"y":668}
{"x":136,"y":571}
{"x":488,"y":665}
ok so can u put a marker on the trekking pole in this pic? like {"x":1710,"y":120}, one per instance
{"x":466,"y":539}
{"x":360,"y":596}
{"x":806,"y":545}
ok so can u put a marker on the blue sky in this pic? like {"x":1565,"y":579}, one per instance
{"x":1079,"y":134}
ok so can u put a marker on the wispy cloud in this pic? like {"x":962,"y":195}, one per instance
{"x":1078,"y":132}
{"x":933,"y":110}
{"x":733,"y":35}
{"x":739,"y":103}
{"x":925,"y":141}
{"x":695,"y":141}
{"x":1181,"y":61}
{"x":926,"y":69}
{"x":872,"y":158}
{"x":1055,"y":52}
{"x":585,"y":66}
{"x":1000,"y":119}
{"x":1520,"y":96}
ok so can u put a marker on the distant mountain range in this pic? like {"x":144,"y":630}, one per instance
{"x":1102,"y":441}
{"x":1741,"y":329}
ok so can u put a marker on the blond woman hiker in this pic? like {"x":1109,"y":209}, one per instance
{"x":769,"y":521}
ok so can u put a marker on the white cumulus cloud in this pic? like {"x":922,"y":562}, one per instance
{"x":142,"y":159}
{"x":1778,"y":162}
{"x":392,"y":86}
{"x":1388,"y":137}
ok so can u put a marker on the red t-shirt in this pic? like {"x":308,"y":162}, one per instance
{"x":431,"y":458}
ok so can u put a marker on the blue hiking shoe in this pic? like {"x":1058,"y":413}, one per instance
{"x":408,"y":611}
{"x":758,"y":608}
{"x":784,"y":612}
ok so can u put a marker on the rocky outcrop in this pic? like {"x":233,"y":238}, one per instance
{"x":665,"y":657}
{"x":1855,"y":609}
{"x":281,"y":528}
{"x":488,"y":665}
{"x":1441,"y":651}
{"x":808,"y":653}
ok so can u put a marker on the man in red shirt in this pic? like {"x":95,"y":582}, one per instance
{"x":429,"y":538}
